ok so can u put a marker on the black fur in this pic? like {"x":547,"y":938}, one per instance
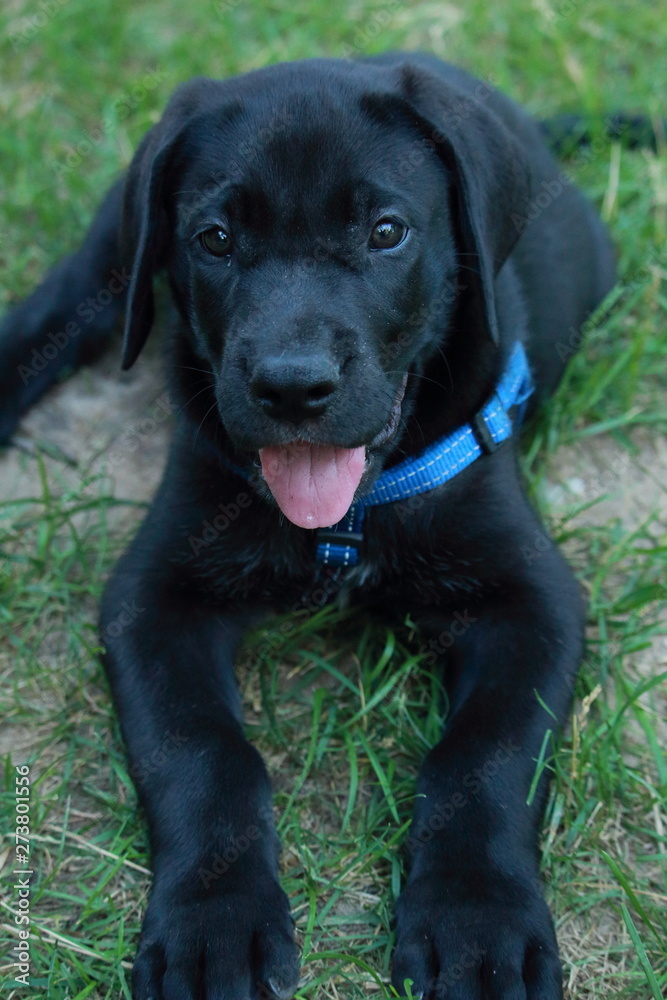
{"x":297,"y":162}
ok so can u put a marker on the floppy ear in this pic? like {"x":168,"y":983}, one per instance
{"x":144,"y":234}
{"x":490,"y":170}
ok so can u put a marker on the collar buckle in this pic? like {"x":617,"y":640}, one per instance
{"x":482,"y":433}
{"x":339,"y":548}
{"x":327,"y":536}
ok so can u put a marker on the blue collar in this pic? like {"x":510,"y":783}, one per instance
{"x":340,"y":544}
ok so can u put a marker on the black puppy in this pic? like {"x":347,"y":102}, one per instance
{"x":358,"y":253}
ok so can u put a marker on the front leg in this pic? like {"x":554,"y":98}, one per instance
{"x":471,"y":920}
{"x":217,"y":923}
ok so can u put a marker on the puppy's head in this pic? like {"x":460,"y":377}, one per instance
{"x":321,"y":223}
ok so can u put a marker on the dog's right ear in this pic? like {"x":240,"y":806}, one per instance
{"x":144,"y":235}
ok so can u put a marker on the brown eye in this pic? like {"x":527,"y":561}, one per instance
{"x":387,"y":234}
{"x":217,"y":242}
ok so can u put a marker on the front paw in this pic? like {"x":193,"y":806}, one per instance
{"x":475,"y":936}
{"x":228,"y":941}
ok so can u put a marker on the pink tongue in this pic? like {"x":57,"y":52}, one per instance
{"x":313,"y":484}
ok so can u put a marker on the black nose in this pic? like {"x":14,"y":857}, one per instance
{"x":294,"y":387}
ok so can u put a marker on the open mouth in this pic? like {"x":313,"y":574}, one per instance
{"x":315,"y":484}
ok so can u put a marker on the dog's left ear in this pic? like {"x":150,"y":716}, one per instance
{"x":490,"y":171}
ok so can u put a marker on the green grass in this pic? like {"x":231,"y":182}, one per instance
{"x":341,"y":708}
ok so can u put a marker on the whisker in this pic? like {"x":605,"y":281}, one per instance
{"x":449,"y":370}
{"x":426,"y":378}
{"x":189,"y":368}
{"x":195,"y":396}
{"x":213,"y":404}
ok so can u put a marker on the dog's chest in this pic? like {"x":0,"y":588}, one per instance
{"x":270,"y":571}
{"x":381,"y":578}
